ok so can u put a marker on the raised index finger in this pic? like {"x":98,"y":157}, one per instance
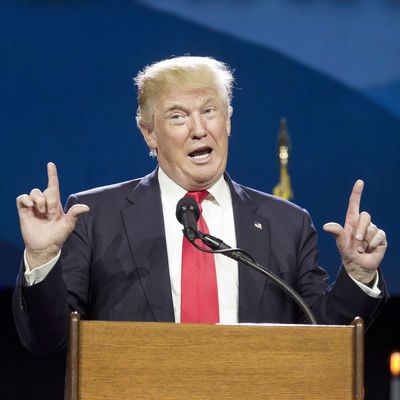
{"x":53,"y":178}
{"x":353,"y":209}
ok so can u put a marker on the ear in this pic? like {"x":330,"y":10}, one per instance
{"x":228,"y":125}
{"x":149,"y":137}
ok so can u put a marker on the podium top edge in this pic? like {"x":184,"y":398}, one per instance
{"x":269,"y":325}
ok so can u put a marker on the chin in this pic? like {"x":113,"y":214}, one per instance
{"x":206,"y":180}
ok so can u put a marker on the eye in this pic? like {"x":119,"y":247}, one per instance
{"x":210,"y":111}
{"x":177,"y":118}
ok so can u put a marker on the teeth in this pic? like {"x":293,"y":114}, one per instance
{"x":201,"y":156}
{"x":200,"y":153}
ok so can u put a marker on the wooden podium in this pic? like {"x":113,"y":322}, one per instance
{"x":130,"y":360}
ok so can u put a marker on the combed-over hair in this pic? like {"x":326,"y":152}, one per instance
{"x":187,"y":71}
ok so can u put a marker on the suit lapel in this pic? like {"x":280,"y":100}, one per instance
{"x":143,"y":219}
{"x":144,"y":224}
{"x":252,"y":235}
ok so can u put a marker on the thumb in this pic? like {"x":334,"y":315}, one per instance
{"x":334,"y":228}
{"x":76,"y":210}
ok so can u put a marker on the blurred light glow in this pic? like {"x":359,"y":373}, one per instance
{"x":395,"y":364}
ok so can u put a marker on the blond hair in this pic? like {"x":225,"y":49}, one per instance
{"x":187,"y":71}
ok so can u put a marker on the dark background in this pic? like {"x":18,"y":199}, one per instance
{"x":67,"y":96}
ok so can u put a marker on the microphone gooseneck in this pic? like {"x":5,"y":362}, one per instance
{"x":187,"y":213}
{"x":242,"y":256}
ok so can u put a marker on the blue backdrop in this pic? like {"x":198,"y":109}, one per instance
{"x":67,"y":96}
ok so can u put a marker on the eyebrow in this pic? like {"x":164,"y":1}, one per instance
{"x":174,"y":107}
{"x":178,"y":106}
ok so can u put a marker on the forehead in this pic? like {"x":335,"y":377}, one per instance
{"x":187,"y":97}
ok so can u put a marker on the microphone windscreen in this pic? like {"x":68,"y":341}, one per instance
{"x":184,"y":204}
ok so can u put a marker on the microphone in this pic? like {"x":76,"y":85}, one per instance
{"x":219,"y":247}
{"x":188,"y":213}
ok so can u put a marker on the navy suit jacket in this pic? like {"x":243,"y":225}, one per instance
{"x":114,"y":266}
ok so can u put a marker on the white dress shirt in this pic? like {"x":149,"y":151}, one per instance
{"x":218,"y":214}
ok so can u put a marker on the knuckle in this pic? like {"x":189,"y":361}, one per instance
{"x":365,"y":215}
{"x":372,"y":229}
{"x":35,"y":192}
{"x":21,"y":197}
{"x":48,"y":194}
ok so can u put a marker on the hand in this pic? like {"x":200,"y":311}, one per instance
{"x":360,"y":243}
{"x":44,"y":225}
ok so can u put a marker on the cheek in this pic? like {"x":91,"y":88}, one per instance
{"x":173,"y":144}
{"x":222,"y":138}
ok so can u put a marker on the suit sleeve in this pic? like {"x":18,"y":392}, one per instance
{"x":41,"y":312}
{"x":342,"y":301}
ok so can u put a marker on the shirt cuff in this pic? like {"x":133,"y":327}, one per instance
{"x":38,"y":274}
{"x":373,"y":291}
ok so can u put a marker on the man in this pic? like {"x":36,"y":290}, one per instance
{"x":118,"y":253}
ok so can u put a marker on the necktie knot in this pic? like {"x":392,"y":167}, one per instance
{"x":198,"y":197}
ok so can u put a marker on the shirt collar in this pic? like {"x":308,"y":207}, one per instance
{"x":171,"y":192}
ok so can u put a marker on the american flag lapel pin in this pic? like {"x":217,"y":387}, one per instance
{"x":258,"y":225}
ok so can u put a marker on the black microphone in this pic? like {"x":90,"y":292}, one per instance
{"x":188,"y":213}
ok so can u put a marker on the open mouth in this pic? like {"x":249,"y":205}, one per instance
{"x":201,"y":154}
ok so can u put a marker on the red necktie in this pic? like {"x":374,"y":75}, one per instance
{"x":199,"y":293}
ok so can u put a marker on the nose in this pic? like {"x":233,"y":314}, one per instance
{"x":198,"y":128}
